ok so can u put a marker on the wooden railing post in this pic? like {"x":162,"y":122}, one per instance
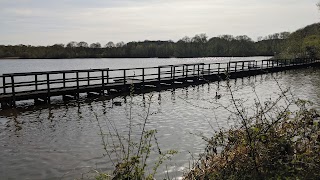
{"x":48,"y":88}
{"x":202,"y":71}
{"x":159,"y":75}
{"x":108,"y":76}
{"x":209,"y":69}
{"x":235,"y":67}
{"x":194,"y":70}
{"x":13,"y":91}
{"x":4,"y":84}
{"x":102,"y":81}
{"x":218,"y":68}
{"x":64,"y":79}
{"x":88,"y":74}
{"x":187,"y":69}
{"x":183,"y":70}
{"x":143,"y":74}
{"x":124,"y":77}
{"x":228,"y":67}
{"x":173,"y":73}
{"x":36,"y":81}
{"x":78,"y":88}
{"x":198,"y":71}
{"x":243,"y":66}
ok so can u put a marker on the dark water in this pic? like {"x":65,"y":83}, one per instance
{"x":64,"y":142}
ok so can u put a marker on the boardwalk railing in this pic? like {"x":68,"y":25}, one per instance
{"x":34,"y":85}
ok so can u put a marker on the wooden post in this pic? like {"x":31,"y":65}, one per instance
{"x":108,"y":76}
{"x":124,"y":77}
{"x":198,"y":71}
{"x":13,"y":92}
{"x":4,"y":84}
{"x":235,"y":67}
{"x":202,"y":72}
{"x":173,"y":73}
{"x":64,"y":79}
{"x":242,"y":65}
{"x":48,"y":88}
{"x":228,"y":67}
{"x":194,"y":70}
{"x":88,"y":77}
{"x":78,"y":88}
{"x":143,"y":77}
{"x":102,"y":76}
{"x":209,"y":69}
{"x":218,"y":68}
{"x":36,"y":81}
{"x":187,"y":69}
{"x":159,"y":75}
{"x":183,"y":70}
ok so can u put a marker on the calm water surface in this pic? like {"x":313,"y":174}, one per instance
{"x":63,"y":141}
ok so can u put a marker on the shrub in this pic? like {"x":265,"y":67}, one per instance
{"x":272,"y":143}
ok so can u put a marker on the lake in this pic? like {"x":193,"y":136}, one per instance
{"x":64,"y":141}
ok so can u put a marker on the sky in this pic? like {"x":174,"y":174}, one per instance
{"x":47,"y":22}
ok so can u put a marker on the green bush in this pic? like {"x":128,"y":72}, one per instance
{"x":286,"y":147}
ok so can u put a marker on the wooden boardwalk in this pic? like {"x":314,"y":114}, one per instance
{"x":70,"y":84}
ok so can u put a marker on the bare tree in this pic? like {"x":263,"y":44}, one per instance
{"x":110,"y":44}
{"x":72,"y":44}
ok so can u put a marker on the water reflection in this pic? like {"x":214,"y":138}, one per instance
{"x":64,"y":140}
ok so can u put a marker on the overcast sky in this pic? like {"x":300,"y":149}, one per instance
{"x":46,"y":22}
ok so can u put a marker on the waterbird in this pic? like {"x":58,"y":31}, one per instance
{"x":117,"y":103}
{"x":218,"y":96}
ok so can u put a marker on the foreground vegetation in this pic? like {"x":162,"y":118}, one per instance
{"x":277,"y":138}
{"x":268,"y":141}
{"x":287,"y":147}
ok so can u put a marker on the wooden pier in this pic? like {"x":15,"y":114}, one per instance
{"x":41,"y":86}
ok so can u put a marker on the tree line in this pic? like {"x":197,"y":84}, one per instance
{"x":198,"y":46}
{"x":304,"y":42}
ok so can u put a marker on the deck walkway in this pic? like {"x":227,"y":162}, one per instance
{"x":41,"y":86}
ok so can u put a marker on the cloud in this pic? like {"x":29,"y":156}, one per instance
{"x":49,"y":22}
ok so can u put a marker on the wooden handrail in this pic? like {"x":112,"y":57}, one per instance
{"x":102,"y":76}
